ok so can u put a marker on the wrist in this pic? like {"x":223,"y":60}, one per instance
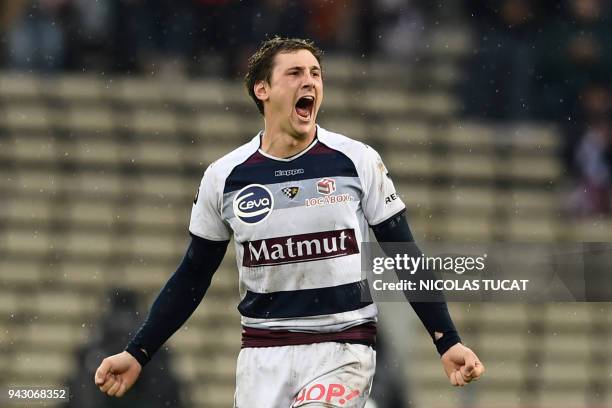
{"x":138,"y":353}
{"x":446,"y":341}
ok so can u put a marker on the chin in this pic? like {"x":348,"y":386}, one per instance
{"x":303,"y":130}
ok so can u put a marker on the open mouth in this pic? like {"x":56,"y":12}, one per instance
{"x":304,"y":107}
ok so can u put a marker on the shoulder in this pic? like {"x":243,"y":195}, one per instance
{"x":220,"y":169}
{"x":359,"y":152}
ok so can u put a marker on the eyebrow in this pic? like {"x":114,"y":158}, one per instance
{"x":314,"y":67}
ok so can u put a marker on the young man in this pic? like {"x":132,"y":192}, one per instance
{"x":298,"y":200}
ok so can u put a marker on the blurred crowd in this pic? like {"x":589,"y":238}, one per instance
{"x":549,"y":60}
{"x":192,"y":36}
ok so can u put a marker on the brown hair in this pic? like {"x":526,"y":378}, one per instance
{"x":262,"y":62}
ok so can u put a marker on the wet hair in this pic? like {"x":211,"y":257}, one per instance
{"x":261,"y":63}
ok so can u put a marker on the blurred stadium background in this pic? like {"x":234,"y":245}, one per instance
{"x":492,"y":116}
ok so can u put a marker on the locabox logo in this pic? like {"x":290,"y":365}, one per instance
{"x":253,"y":204}
{"x":326,"y":186}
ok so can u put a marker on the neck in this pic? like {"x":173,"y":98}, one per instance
{"x":282,"y":144}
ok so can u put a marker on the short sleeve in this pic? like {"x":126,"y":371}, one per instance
{"x":206,"y":217}
{"x":380,"y":201}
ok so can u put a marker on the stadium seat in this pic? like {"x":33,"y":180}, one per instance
{"x":146,"y":122}
{"x":98,"y":151}
{"x":141,"y":91}
{"x":474,"y":228}
{"x":335,"y":101}
{"x":92,"y":244}
{"x":338,"y":68}
{"x":52,"y":366}
{"x":162,"y":155}
{"x":95,"y":275}
{"x":92,"y":119}
{"x":413,"y":165}
{"x":9,"y":303}
{"x":72,"y":88}
{"x":33,"y":147}
{"x":470,"y":135}
{"x":101,"y":214}
{"x":19,"y":86}
{"x":349,"y":126}
{"x":214,"y":395}
{"x":26,"y":242}
{"x":532,"y":229}
{"x":405,"y":133}
{"x":20,"y":209}
{"x":30,"y":117}
{"x":503,"y":347}
{"x":380,"y":101}
{"x":51,"y":336}
{"x":464,"y":199}
{"x":535,"y":168}
{"x":474,"y":166}
{"x":19,"y":273}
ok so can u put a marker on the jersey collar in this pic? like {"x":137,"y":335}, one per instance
{"x":290,"y":158}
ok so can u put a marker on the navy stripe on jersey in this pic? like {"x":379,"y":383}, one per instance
{"x":306,"y":302}
{"x":259,"y":169}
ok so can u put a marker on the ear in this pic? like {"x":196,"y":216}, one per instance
{"x":261,"y":90}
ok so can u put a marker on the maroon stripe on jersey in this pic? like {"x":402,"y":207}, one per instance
{"x":321,"y":148}
{"x":300,"y":248}
{"x":364,"y":334}
{"x":255,"y":158}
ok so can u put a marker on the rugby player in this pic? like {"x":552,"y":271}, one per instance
{"x":298,"y":200}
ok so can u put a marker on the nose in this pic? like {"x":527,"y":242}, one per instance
{"x":308,"y":81}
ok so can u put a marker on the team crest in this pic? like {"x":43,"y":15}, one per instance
{"x":290,"y":192}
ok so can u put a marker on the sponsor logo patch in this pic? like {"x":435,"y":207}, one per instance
{"x":300,"y":248}
{"x":330,"y":393}
{"x":390,"y":197}
{"x":253,"y":204}
{"x":328,"y":199}
{"x":326,"y":186}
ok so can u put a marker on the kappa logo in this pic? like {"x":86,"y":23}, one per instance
{"x":292,"y":172}
{"x":290,"y":192}
{"x":326,"y":186}
{"x":253,"y":204}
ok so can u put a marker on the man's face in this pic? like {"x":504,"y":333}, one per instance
{"x":295,"y":92}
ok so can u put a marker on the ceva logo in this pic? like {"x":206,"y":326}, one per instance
{"x":253,"y":204}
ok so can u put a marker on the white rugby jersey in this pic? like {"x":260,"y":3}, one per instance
{"x":298,"y":224}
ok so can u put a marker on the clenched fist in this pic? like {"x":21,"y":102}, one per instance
{"x":117,"y":374}
{"x":461,"y":365}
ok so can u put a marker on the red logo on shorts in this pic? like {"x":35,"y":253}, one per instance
{"x":326,"y":186}
{"x":318,"y":392}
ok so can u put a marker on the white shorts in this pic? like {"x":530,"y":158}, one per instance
{"x":313,"y":375}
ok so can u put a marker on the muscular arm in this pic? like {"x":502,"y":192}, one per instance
{"x":433,"y":315}
{"x":179,"y":298}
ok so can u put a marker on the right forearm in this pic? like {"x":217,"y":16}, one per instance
{"x":179,"y":298}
